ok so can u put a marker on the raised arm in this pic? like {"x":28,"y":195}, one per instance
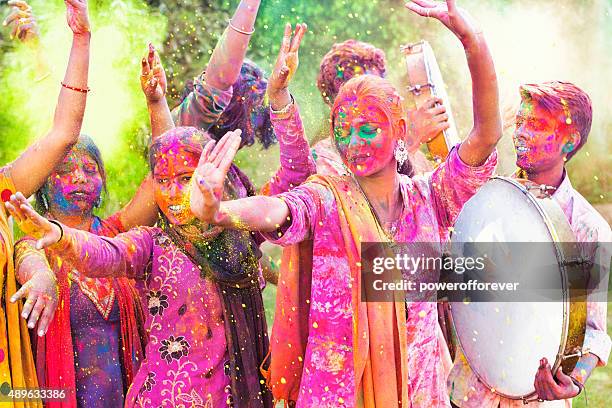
{"x":212,"y":90}
{"x":154,"y":85}
{"x":127,"y":254}
{"x":296,"y":161}
{"x":487,"y":128}
{"x":31,"y":169}
{"x":226,"y":60}
{"x":142,"y":209}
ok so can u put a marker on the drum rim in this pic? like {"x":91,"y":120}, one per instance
{"x":552,"y":231}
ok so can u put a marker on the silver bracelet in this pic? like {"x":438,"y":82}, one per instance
{"x":233,"y":27}
{"x":285,"y":110}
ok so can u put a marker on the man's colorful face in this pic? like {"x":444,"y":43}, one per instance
{"x":75,"y":185}
{"x":363,"y":137}
{"x":539,"y":137}
{"x":172,"y":174}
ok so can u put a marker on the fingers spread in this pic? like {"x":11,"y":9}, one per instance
{"x":212,"y":157}
{"x":22,"y":292}
{"x":145,"y":69}
{"x":231,"y":139}
{"x":32,"y":215}
{"x":421,"y":11}
{"x":425,"y":3}
{"x":22,"y":5}
{"x":228,"y":157}
{"x":28,"y":305}
{"x":38,"y":308}
{"x":47,"y":317}
{"x":14,"y":212}
{"x":286,"y":39}
{"x":208,"y":147}
{"x":15,"y":14}
{"x":300,"y":30}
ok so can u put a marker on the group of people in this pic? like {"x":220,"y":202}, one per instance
{"x":160,"y":304}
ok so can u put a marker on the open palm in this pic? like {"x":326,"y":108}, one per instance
{"x":77,"y":16}
{"x":454,"y":18}
{"x":153,"y":76}
{"x":288,"y":59}
{"x":209,"y":178}
{"x":31,"y":222}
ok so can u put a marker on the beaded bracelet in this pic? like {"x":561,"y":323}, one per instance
{"x":72,"y":88}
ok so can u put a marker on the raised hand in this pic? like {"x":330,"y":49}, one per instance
{"x":153,"y":76}
{"x":426,"y":123}
{"x":77,"y":16}
{"x":454,"y":18}
{"x":286,"y":65}
{"x":33,"y":223}
{"x":208,"y":180}
{"x":41,"y":294}
{"x":21,"y":21}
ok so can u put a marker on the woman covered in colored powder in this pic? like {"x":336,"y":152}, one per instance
{"x":104,"y":334}
{"x":96,"y":340}
{"x":205,"y":317}
{"x":331,"y":346}
{"x":27,"y":173}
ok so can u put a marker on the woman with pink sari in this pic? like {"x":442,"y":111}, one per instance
{"x":330,"y":345}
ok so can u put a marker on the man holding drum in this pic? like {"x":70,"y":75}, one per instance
{"x":552,"y":125}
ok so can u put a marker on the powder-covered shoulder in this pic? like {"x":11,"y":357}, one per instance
{"x":589,"y":222}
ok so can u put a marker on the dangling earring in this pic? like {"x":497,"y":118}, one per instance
{"x":45,"y":202}
{"x":568,"y":147}
{"x":98,"y":202}
{"x":400,"y":153}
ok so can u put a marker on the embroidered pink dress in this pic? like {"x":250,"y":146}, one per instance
{"x":431,"y":204}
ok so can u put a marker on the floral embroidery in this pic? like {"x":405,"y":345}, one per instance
{"x":174,"y":348}
{"x":157,"y":302}
{"x":149,"y":383}
{"x":195,"y":400}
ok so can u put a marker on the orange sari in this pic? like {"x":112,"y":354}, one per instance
{"x":16,"y":360}
{"x":378,"y":328}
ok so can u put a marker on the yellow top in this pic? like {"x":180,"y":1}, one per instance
{"x":16,"y":360}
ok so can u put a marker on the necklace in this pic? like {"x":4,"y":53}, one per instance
{"x":387,"y":234}
{"x":544,"y":190}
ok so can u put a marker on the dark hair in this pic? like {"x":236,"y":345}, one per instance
{"x":566,"y":98}
{"x":247,"y":110}
{"x":344,"y":61}
{"x":85,"y":145}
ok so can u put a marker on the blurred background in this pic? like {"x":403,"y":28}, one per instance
{"x":531,"y":41}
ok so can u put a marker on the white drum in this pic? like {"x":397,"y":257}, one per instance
{"x":503,"y":340}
